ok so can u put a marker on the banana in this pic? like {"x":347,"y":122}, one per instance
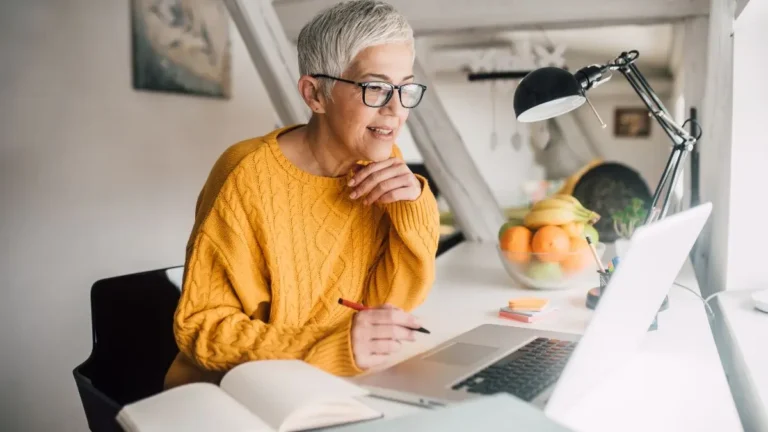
{"x":569,"y":198}
{"x":549,"y":203}
{"x":552,"y":203}
{"x":573,"y":200}
{"x":539,"y":218}
{"x":559,"y":209}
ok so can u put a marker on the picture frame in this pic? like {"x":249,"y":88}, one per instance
{"x":181,"y":46}
{"x":632,"y":122}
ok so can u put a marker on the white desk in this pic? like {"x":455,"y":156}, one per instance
{"x":677,"y":382}
{"x":743,"y":334}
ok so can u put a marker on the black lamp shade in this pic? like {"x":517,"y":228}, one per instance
{"x":545,"y":93}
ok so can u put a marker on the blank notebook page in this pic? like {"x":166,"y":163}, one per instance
{"x":287,"y":385}
{"x":191,"y":408}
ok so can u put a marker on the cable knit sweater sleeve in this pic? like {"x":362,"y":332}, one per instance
{"x":221,"y":320}
{"x":405,"y":268}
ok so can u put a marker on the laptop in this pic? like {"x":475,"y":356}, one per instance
{"x":551,"y":370}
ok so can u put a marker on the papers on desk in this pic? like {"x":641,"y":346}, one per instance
{"x":527,"y":309}
{"x":500,"y":412}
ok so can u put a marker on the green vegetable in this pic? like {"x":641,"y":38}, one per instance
{"x":625,"y":221}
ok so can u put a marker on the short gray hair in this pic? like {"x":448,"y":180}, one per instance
{"x":330,"y":41}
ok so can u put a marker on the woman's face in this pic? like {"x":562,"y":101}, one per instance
{"x":369,"y":133}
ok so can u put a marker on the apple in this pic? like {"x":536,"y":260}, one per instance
{"x":544,"y":271}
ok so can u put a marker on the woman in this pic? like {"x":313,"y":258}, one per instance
{"x":290,"y":222}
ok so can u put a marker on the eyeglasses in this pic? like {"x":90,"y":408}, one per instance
{"x":376,"y":94}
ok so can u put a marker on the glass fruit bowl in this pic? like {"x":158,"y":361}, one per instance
{"x":554,"y":270}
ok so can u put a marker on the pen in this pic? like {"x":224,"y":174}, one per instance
{"x":594,"y":254}
{"x":358,"y":307}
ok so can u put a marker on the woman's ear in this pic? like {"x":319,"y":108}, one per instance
{"x":310,"y":91}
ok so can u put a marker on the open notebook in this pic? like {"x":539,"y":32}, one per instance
{"x":259,"y":396}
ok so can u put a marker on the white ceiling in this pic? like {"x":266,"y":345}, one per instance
{"x":438,"y":17}
{"x":591,"y":45}
{"x":653,"y":42}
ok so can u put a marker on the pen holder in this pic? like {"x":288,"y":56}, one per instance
{"x":593,"y":296}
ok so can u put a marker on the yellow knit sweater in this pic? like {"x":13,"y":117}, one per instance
{"x":272,"y":250}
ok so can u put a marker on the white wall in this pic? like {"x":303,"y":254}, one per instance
{"x":410,"y":152}
{"x":469,"y":108}
{"x":96,"y":180}
{"x":469,"y":105}
{"x":747,"y":234}
{"x":646,"y":155}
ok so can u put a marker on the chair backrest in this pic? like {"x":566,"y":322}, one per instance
{"x":133,"y":342}
{"x":421,"y":169}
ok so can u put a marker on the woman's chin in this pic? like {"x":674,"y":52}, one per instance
{"x":379,"y":154}
{"x":377,"y":151}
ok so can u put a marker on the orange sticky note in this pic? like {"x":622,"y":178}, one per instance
{"x":530,"y":303}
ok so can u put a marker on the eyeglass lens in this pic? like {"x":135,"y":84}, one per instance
{"x":378,"y":94}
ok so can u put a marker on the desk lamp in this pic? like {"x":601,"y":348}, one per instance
{"x":550,"y":91}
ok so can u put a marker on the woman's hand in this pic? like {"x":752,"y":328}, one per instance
{"x":378,"y":332}
{"x":385,"y":182}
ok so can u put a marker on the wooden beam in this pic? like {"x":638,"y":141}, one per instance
{"x":675,"y":58}
{"x":432,"y":16}
{"x":445,"y":154}
{"x":740,"y":5}
{"x":746,"y":269}
{"x":693,"y":69}
{"x":442,"y":60}
{"x":711,"y":251}
{"x":272,"y":54}
{"x":694,"y":61}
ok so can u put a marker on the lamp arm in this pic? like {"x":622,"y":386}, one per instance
{"x":677,"y":134}
{"x":561,"y":90}
{"x":595,"y":75}
{"x":682,"y":141}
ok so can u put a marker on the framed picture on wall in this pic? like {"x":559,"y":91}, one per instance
{"x":632,"y":123}
{"x":181,"y":46}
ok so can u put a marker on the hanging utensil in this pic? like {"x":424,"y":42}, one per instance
{"x":494,"y":136}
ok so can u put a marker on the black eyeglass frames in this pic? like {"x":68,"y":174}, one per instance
{"x":376,"y":94}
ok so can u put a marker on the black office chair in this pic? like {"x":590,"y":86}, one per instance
{"x":133,"y":343}
{"x":447,"y":242}
{"x":421,"y":169}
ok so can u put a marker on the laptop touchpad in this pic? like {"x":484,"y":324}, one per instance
{"x":461,"y":354}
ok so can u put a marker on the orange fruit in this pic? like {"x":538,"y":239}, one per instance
{"x":518,"y":257}
{"x":515,"y":242}
{"x":579,"y":258}
{"x":552,"y":243}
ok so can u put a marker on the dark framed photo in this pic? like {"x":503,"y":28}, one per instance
{"x":632,"y":123}
{"x":181,"y":46}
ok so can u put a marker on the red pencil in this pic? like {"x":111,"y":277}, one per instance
{"x":358,"y":307}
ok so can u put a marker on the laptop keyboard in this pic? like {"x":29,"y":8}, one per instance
{"x":525,"y":373}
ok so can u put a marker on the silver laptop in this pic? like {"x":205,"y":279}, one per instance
{"x":552,"y":370}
